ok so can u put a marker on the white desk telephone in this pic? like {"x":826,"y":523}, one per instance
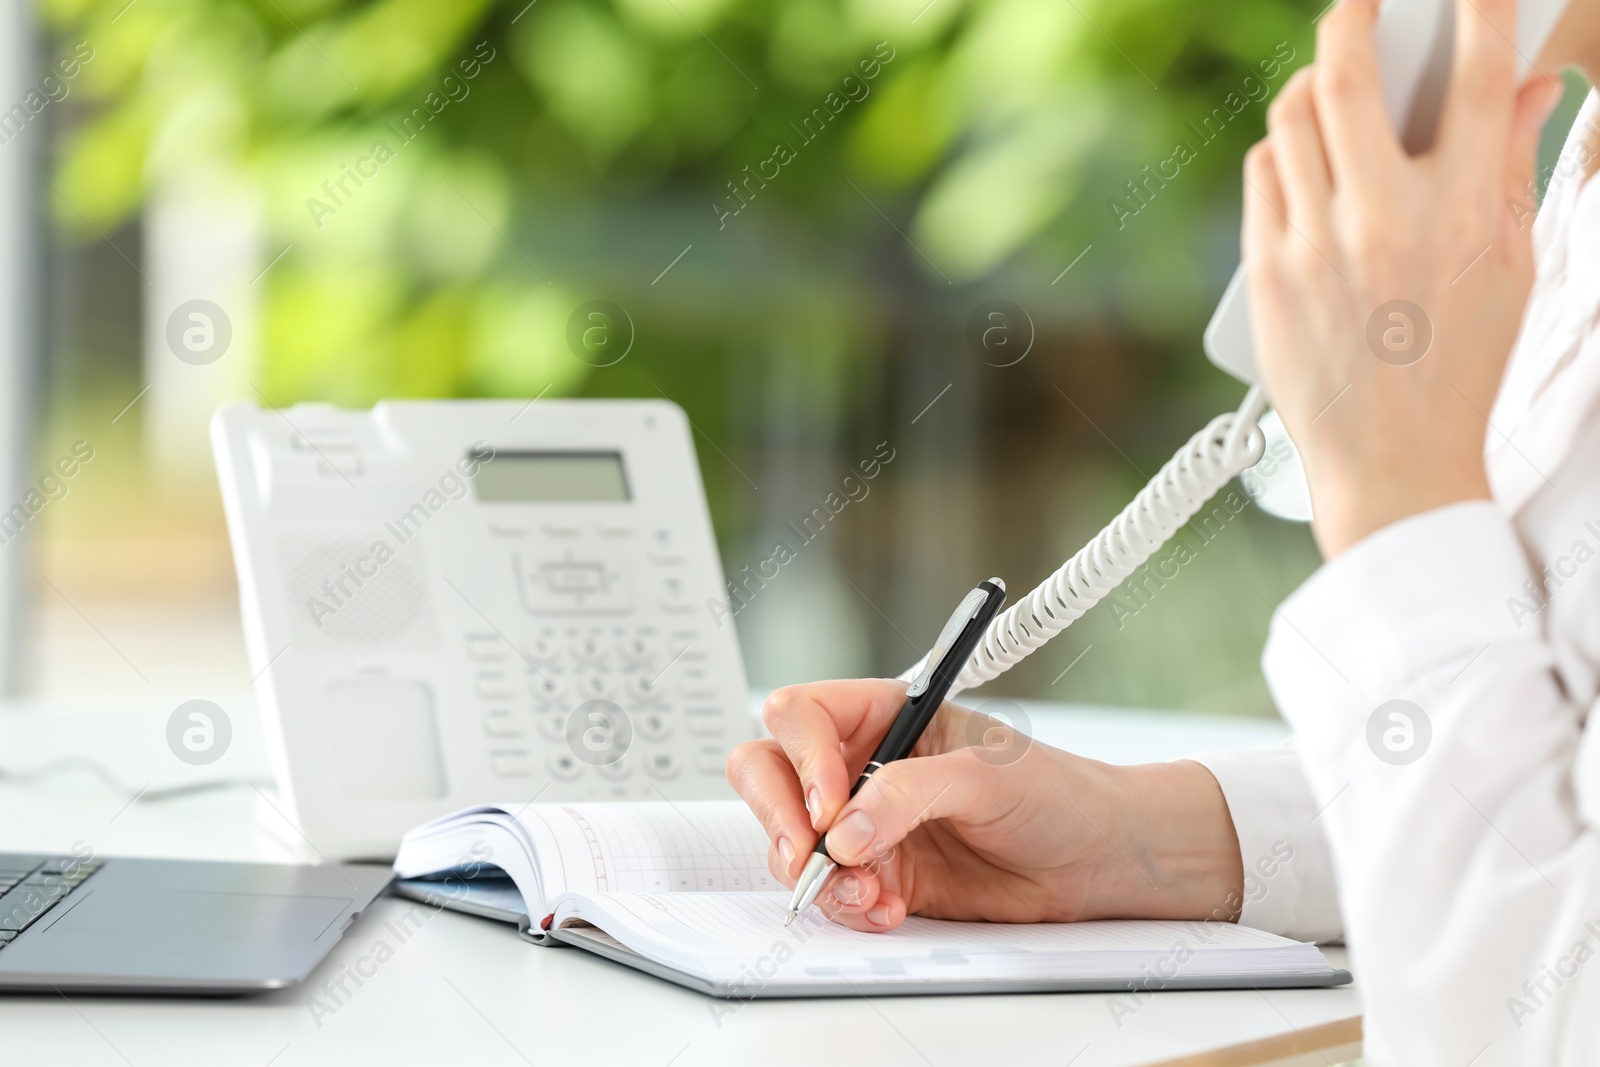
{"x":457,"y":602}
{"x":1415,"y":42}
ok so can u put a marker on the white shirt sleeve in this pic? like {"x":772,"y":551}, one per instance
{"x":1288,"y":871}
{"x":1436,"y":733}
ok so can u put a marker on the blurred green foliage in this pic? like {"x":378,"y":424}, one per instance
{"x":995,"y":137}
{"x":447,"y":180}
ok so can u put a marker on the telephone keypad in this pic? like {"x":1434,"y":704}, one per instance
{"x":662,"y":682}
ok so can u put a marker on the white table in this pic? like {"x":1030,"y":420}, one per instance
{"x":461,"y":990}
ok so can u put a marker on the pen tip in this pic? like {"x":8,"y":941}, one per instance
{"x":787,"y":919}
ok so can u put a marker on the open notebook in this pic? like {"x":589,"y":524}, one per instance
{"x":681,"y":890}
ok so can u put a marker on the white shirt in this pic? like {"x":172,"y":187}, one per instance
{"x":1468,"y":879}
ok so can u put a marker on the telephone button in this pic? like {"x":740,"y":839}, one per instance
{"x":510,"y":764}
{"x":697,"y":685}
{"x":654,"y":726}
{"x":552,"y":725}
{"x":499,"y":723}
{"x":593,"y":687}
{"x":704,"y":722}
{"x":564,"y":766}
{"x":617,"y":770}
{"x":635,"y":649}
{"x":639,"y":690}
{"x":548,"y":688}
{"x":588,"y":648}
{"x":662,"y":765}
{"x":486,"y":648}
{"x":710,"y":759}
{"x":499,"y":530}
{"x":560,"y":582}
{"x":492,"y":685}
{"x":672,"y":592}
{"x":543,"y":648}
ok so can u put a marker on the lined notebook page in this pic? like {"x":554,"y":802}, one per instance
{"x":740,"y":938}
{"x":648,"y":847}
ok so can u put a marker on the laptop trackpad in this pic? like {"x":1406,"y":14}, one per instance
{"x":180,"y":934}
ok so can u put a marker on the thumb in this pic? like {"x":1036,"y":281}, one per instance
{"x":1535,"y":101}
{"x":903,"y":795}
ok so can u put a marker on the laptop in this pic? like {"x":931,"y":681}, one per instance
{"x":118,"y":925}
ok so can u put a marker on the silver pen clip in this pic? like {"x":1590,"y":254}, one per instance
{"x":964,"y":613}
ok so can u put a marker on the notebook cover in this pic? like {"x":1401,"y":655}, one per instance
{"x":597,"y":942}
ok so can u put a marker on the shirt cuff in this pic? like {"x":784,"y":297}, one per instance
{"x":1289,"y":886}
{"x":1430,"y":591}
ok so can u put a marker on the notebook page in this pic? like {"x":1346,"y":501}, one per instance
{"x":648,"y":847}
{"x":739,"y":939}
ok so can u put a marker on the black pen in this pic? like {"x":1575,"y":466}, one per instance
{"x":924,"y":695}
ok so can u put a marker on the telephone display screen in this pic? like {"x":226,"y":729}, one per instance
{"x":551,"y":477}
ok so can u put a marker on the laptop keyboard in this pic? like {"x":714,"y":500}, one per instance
{"x":28,"y":892}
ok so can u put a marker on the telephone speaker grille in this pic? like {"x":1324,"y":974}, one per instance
{"x":342,"y":592}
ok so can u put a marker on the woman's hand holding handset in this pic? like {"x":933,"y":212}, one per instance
{"x":1386,"y":289}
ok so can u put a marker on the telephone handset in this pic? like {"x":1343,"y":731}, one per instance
{"x":1415,"y":41}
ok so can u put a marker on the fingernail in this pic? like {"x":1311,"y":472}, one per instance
{"x":847,"y":891}
{"x":851,"y":835}
{"x":879,"y":915}
{"x":814,"y":802}
{"x":786,"y":851}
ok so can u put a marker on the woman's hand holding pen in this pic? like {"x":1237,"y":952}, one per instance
{"x":980,"y":823}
